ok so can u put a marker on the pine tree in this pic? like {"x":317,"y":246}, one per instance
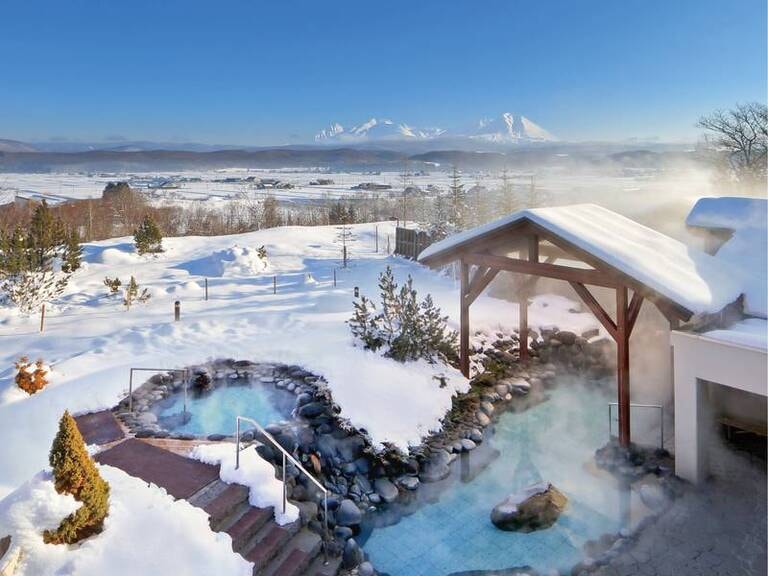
{"x":457,"y":196}
{"x":363,"y":324}
{"x":405,"y":328}
{"x":75,"y":473}
{"x":147,"y":237}
{"x":439,"y":226}
{"x":44,"y":237}
{"x":133,"y":294}
{"x":73,"y":252}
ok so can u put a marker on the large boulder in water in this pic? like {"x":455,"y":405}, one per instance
{"x":535,"y":507}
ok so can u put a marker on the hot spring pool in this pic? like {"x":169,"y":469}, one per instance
{"x":554,"y":441}
{"x":214,"y":411}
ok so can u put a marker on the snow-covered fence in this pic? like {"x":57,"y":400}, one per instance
{"x":410,"y":243}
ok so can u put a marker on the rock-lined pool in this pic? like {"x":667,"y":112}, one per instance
{"x":554,"y":442}
{"x":214,"y":411}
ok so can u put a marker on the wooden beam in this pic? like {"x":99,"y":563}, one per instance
{"x":622,"y":364}
{"x":597,"y":310}
{"x":581,"y":275}
{"x":480,"y":282}
{"x":634,"y":310}
{"x":464,"y":321}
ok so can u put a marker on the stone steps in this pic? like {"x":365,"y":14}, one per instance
{"x":295,"y":556}
{"x":266,"y":544}
{"x":227,"y":506}
{"x":247,"y":525}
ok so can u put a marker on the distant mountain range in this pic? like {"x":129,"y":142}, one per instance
{"x":505,"y":129}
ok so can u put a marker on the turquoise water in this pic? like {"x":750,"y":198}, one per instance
{"x":214,"y":412}
{"x":555,"y":442}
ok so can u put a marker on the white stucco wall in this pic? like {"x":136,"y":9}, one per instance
{"x":698,"y":359}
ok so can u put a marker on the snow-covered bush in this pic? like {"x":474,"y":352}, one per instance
{"x":31,"y":377}
{"x":404,"y":328}
{"x":28,"y":290}
{"x":113,"y":284}
{"x":75,"y":473}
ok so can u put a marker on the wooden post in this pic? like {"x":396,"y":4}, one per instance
{"x":177,"y":310}
{"x":533,"y":256}
{"x":622,"y":364}
{"x":206,"y":289}
{"x":274,"y":284}
{"x":344,"y":256}
{"x":523,"y":328}
{"x":334,"y":277}
{"x":389,"y":249}
{"x":464,"y":321}
{"x":42,"y":317}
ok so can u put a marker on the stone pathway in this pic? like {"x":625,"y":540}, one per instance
{"x":99,"y":427}
{"x":274,"y":550}
{"x":718,"y":529}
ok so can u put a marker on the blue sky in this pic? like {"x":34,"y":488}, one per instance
{"x":257,"y":72}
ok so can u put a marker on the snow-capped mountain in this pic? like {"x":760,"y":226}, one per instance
{"x":509,"y":128}
{"x":375,"y":129}
{"x":504,"y":129}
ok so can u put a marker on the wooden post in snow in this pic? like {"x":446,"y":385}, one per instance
{"x":42,"y":317}
{"x":177,"y":311}
{"x":334,"y":277}
{"x":274,"y":284}
{"x":206,"y":289}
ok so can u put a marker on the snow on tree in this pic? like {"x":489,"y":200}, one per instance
{"x":73,"y":253}
{"x":113,"y":284}
{"x":457,"y":202}
{"x":148,"y":237}
{"x":404,"y":328}
{"x":35,"y":265}
{"x":133,"y":293}
{"x":75,"y":473}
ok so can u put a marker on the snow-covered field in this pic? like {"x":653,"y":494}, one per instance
{"x":91,"y":341}
{"x":146,"y":532}
{"x":637,"y":193}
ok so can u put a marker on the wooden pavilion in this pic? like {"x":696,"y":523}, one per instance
{"x":597,"y":247}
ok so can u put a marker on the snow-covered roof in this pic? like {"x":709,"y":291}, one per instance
{"x":684,"y":275}
{"x":729,"y":212}
{"x":747,"y":249}
{"x":750,"y":332}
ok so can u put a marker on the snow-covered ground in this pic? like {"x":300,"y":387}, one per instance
{"x":91,"y":341}
{"x":146,"y":532}
{"x":642,"y":194}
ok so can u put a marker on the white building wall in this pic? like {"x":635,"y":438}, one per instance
{"x":698,"y":359}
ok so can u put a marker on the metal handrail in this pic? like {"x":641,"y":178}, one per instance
{"x":288,"y":456}
{"x":183,"y":371}
{"x":658,"y":406}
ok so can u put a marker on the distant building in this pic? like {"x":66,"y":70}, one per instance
{"x":371,"y":186}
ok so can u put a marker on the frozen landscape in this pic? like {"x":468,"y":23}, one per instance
{"x":384,"y":289}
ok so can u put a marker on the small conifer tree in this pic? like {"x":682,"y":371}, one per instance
{"x":134,"y":294}
{"x":73,"y":253}
{"x":75,"y":473}
{"x":113,"y":284}
{"x":148,"y":238}
{"x":405,"y":328}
